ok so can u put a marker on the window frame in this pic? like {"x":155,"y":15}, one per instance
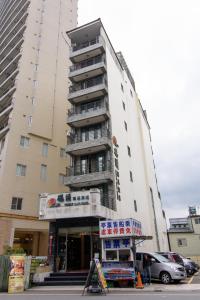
{"x":45,"y":149}
{"x":182,"y":242}
{"x":43,"y":175}
{"x":18,"y":203}
{"x":21,"y":170}
{"x":125,"y":126}
{"x":25,"y":143}
{"x":129,"y":150}
{"x":131,"y":176}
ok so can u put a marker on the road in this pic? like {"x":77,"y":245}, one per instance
{"x":135,"y":296}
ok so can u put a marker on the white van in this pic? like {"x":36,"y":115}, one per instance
{"x":162,"y":268}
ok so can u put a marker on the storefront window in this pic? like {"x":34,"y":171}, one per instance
{"x":111,"y":255}
{"x":124,"y":255}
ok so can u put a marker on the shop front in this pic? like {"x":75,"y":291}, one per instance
{"x":74,"y":228}
{"x":76,"y":246}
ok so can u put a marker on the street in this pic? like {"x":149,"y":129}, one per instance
{"x":187,"y":290}
{"x":139,"y":296}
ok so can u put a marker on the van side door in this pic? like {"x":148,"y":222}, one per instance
{"x":156,"y":267}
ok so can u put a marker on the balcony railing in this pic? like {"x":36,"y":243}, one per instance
{"x":87,"y":84}
{"x":87,"y":63}
{"x":85,"y":44}
{"x":84,"y":170}
{"x":4,"y":125}
{"x":89,"y":136}
{"x":88,"y":108}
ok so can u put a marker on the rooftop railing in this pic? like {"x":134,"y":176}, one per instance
{"x":85,"y":44}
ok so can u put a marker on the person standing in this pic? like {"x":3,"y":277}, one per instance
{"x":147,"y":269}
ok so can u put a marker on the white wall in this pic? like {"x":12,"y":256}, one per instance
{"x":140,"y":162}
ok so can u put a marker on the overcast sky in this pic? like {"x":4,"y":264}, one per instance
{"x":160,"y":40}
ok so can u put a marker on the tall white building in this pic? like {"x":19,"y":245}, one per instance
{"x":112,"y":172}
{"x":33,"y":93}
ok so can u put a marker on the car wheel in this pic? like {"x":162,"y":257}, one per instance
{"x":165,"y":277}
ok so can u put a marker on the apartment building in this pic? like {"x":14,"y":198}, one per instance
{"x":33,"y":93}
{"x":184,"y":235}
{"x":111,"y":173}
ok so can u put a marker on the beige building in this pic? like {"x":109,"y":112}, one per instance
{"x":111,"y":174}
{"x":33,"y":93}
{"x":184,"y":236}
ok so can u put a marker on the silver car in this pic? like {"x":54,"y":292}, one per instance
{"x":162,"y":268}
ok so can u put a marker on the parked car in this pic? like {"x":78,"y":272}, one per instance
{"x":161,"y":268}
{"x":179,"y":259}
{"x":190,"y":265}
{"x":173,"y":256}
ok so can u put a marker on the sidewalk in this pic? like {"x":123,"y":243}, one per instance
{"x":152,"y":288}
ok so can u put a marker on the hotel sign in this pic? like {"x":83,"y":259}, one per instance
{"x":66,"y":199}
{"x":70,"y":205}
{"x":120,"y":228}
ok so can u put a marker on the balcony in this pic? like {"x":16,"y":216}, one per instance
{"x":97,"y":112}
{"x":14,"y":53}
{"x":89,"y":144}
{"x":11,"y":30}
{"x":12,"y":43}
{"x":88,"y":89}
{"x":5,"y":114}
{"x":88,"y":68}
{"x":77,"y":177}
{"x":6,"y":99}
{"x":11,"y":25}
{"x":8,"y":83}
{"x":10,"y":68}
{"x":90,"y":48}
{"x":17,"y":11}
{"x":3,"y":130}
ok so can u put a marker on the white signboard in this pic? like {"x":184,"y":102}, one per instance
{"x":120,"y":228}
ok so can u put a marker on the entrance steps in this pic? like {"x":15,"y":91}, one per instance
{"x":67,"y":278}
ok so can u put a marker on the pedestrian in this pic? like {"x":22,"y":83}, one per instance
{"x":146,"y":269}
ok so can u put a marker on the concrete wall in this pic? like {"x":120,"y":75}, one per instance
{"x":193,"y":243}
{"x":44,"y":60}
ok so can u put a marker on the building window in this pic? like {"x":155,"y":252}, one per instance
{"x":182,"y":242}
{"x":16,"y":203}
{"x":24,"y":141}
{"x":35,"y":67}
{"x":33,"y":100}
{"x":30,"y":120}
{"x":135,"y":205}
{"x":43,"y":172}
{"x":124,"y":105}
{"x":125,"y":125}
{"x":61,"y":179}
{"x":45,"y":149}
{"x":122,"y":88}
{"x":129,"y":151}
{"x":21,"y":170}
{"x":197,"y":221}
{"x":131,"y":93}
{"x":35,"y":83}
{"x":131,"y":176}
{"x":62,"y":152}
